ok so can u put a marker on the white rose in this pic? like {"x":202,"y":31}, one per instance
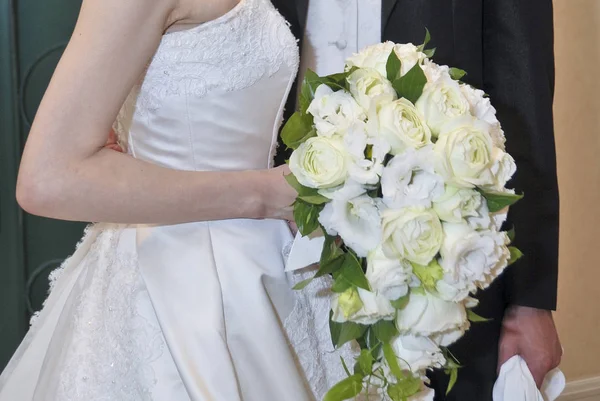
{"x":365,"y":169}
{"x":373,"y":307}
{"x":426,"y":314}
{"x":409,"y":56}
{"x":412,"y":233}
{"x":333,"y":111}
{"x":464,"y":153}
{"x":374,"y":57}
{"x":481,"y":108}
{"x":449,"y":337}
{"x":417,"y":354}
{"x":472,"y":259}
{"x":370,"y":88}
{"x":320,"y":162}
{"x":388,"y":277}
{"x":458,"y":204}
{"x":409,"y":179}
{"x":502,"y":169}
{"x":357,"y":221}
{"x":434,"y":72}
{"x":441,"y":102}
{"x":400,"y":124}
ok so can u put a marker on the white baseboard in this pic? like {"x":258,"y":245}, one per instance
{"x":582,"y":390}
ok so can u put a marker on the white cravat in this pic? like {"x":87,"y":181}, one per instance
{"x":335,"y":29}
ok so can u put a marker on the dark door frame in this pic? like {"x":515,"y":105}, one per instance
{"x":13,"y":323}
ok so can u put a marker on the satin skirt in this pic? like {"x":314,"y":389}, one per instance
{"x":183,"y":312}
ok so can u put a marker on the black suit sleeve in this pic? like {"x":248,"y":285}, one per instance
{"x":519,"y":77}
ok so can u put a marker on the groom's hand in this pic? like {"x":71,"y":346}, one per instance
{"x":530,"y":333}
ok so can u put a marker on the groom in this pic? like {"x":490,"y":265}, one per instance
{"x":506,"y":46}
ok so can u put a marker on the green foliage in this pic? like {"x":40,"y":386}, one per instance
{"x":384,"y":330}
{"x":457,"y":73}
{"x":425,"y":41}
{"x":392,"y":361}
{"x":364,"y":363}
{"x":341,"y":333}
{"x":308,"y":195}
{"x":406,"y":387}
{"x":297,"y":130}
{"x":306,"y":216}
{"x":348,"y":388}
{"x":497,"y":201}
{"x":401,"y":303}
{"x":409,"y":86}
{"x":515,"y":254}
{"x":475,"y":318}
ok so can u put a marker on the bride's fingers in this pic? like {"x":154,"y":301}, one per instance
{"x":112,"y":142}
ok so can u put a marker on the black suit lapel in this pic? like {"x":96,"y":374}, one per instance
{"x":387,"y":6}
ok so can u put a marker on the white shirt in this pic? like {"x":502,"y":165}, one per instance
{"x":335,"y":29}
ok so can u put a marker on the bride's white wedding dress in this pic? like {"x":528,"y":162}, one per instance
{"x":200,"y":311}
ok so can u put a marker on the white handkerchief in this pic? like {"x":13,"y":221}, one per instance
{"x":516,"y":383}
{"x":305,"y":251}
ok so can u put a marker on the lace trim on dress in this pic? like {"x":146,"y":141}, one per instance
{"x":307,"y":328}
{"x":111,"y":349}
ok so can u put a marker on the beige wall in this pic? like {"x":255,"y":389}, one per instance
{"x":577,"y":111}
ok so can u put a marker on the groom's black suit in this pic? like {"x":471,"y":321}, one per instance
{"x":506,"y":46}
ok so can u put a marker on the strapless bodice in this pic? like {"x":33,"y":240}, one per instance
{"x":212,"y":97}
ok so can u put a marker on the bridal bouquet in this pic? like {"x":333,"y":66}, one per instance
{"x":403,"y":168}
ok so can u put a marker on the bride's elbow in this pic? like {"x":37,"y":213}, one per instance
{"x":36,"y":195}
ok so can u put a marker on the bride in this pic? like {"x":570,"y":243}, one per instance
{"x":181,"y":294}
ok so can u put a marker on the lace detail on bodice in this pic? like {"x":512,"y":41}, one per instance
{"x":228,"y":54}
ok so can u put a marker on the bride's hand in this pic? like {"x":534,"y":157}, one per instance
{"x":112,"y":142}
{"x":278,"y":196}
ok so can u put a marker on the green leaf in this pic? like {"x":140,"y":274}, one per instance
{"x":317,"y":199}
{"x":429,"y":275}
{"x":401,"y":303}
{"x":352,"y":272}
{"x":338,"y":79}
{"x":297,"y":130}
{"x":364,"y":363}
{"x":331,"y":249}
{"x":306,"y":216}
{"x":331,"y":266}
{"x":341,"y":333}
{"x":312,"y":81}
{"x":453,"y":378}
{"x":475,"y":318}
{"x":308,"y":195}
{"x":384,"y":330}
{"x":405,"y":388}
{"x":429,"y":52}
{"x":307,"y":92}
{"x":348,"y":388}
{"x":511,"y":234}
{"x":392,"y":361}
{"x":457,"y":73}
{"x":301,"y":285}
{"x":345,"y":366}
{"x":515,"y":254}
{"x":340,"y":284}
{"x":426,"y":41}
{"x":497,"y":201}
{"x":393,"y":67}
{"x":410,"y":86}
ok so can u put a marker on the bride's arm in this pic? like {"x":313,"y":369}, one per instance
{"x":67,"y":174}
